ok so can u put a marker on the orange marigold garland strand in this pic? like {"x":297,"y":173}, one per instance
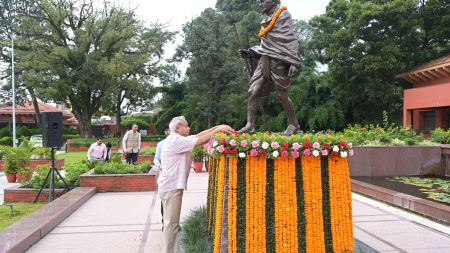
{"x":275,"y":17}
{"x":340,"y":196}
{"x":232,"y":205}
{"x":313,"y":204}
{"x":219,"y":205}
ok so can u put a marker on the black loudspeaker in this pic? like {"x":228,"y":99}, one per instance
{"x":52,"y":129}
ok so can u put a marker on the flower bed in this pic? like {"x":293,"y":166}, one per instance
{"x":119,"y":183}
{"x":286,"y":204}
{"x":119,"y":177}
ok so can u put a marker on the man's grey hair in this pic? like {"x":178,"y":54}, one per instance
{"x":175,"y":122}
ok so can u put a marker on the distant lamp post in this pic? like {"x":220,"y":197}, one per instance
{"x":13,"y":89}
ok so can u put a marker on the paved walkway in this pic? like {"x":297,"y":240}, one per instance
{"x":119,"y":222}
{"x":131,"y":222}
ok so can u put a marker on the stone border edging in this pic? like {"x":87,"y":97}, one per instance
{"x":22,"y":235}
{"x":428,"y":208}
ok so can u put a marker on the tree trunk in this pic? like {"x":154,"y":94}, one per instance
{"x":85,"y":125}
{"x":118,"y":115}
{"x":36,"y":107}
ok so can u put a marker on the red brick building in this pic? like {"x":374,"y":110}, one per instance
{"x":25,"y":115}
{"x":426,"y":105}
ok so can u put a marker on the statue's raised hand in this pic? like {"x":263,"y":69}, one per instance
{"x":293,"y":71}
{"x":244,"y":53}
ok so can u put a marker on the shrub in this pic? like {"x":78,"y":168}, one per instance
{"x":198,"y":154}
{"x":70,"y":131}
{"x":73,"y":172}
{"x":128,"y":122}
{"x":5,"y":132}
{"x":376,"y":135}
{"x":148,"y":151}
{"x":41,"y":153}
{"x":24,"y":174}
{"x":35,"y":131}
{"x":6,"y":141}
{"x":195,"y":230}
{"x":439,"y":135}
{"x":86,"y":142}
{"x":15,"y":158}
{"x":121,"y":168}
{"x":154,"y":137}
{"x":72,"y":136}
{"x":38,"y":178}
{"x":23,"y":131}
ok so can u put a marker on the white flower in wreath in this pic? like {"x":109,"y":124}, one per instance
{"x":275,"y":154}
{"x":215,"y":144}
{"x":344,"y":154}
{"x":242,"y":155}
{"x":316,"y":153}
{"x":336,"y":148}
{"x":265,"y":145}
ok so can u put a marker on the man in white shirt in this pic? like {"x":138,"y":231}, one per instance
{"x":97,"y":151}
{"x":176,"y":164}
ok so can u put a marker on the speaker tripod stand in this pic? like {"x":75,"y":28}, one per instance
{"x":51,"y":175}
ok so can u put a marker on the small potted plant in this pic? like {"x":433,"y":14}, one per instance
{"x":15,"y":159}
{"x":24,"y":174}
{"x":198,"y":155}
{"x":11,"y":174}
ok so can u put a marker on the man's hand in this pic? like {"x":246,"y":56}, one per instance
{"x":293,"y":71}
{"x":225,"y":128}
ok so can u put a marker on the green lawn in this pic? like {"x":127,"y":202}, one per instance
{"x":72,"y":157}
{"x":25,"y":209}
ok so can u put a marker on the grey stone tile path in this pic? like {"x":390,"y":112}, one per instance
{"x":131,"y":222}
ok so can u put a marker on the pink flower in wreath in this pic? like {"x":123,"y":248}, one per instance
{"x":296,"y":146}
{"x":307,"y":152}
{"x":255,"y":144}
{"x":275,"y":145}
{"x":284,"y":153}
{"x":295,"y":154}
{"x":233,"y":143}
{"x":253,"y":152}
{"x":220,"y":149}
{"x":244,"y":143}
{"x":324,"y":152}
{"x":316,"y":145}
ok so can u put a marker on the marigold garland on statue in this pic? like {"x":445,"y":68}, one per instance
{"x":263,"y":30}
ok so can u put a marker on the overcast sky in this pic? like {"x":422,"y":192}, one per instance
{"x":175,"y":13}
{"x":178,"y":12}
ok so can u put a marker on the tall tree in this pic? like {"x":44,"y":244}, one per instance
{"x":212,"y":75}
{"x":366,"y":43}
{"x":89,"y":52}
{"x":12,"y":15}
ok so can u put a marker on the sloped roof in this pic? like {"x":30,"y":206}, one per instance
{"x":28,"y":109}
{"x":433,"y":70}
